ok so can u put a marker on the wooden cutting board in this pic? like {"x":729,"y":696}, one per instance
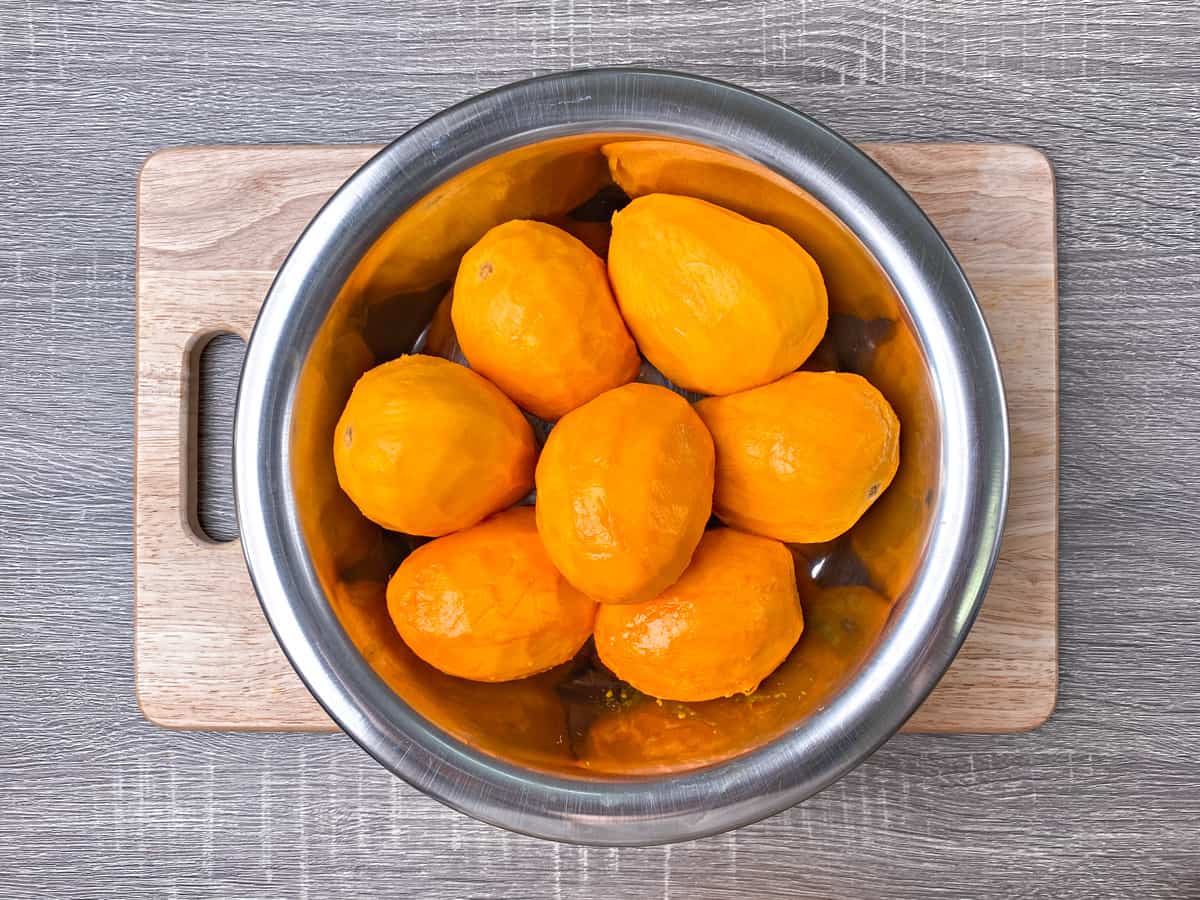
{"x":214,"y":223}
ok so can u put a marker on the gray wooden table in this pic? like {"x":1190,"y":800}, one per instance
{"x":1102,"y":801}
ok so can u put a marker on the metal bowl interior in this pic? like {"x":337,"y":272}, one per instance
{"x":571,"y":754}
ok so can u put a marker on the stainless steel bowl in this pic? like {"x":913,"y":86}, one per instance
{"x":362,"y":284}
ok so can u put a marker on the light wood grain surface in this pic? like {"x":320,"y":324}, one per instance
{"x":215,"y":222}
{"x":1102,"y":801}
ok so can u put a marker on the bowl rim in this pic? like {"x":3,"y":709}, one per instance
{"x":919,"y":641}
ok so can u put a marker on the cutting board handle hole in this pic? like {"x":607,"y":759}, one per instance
{"x":215,"y":363}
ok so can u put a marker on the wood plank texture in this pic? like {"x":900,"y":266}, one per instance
{"x":1101,"y":801}
{"x":214,"y":222}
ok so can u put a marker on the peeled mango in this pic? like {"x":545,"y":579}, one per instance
{"x":800,"y":460}
{"x":721,"y":629}
{"x":717,"y":303}
{"x":426,"y":446}
{"x":533,"y":313}
{"x":487,"y":604}
{"x":624,"y":489}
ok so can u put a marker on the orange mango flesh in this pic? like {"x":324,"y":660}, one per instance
{"x":487,"y":604}
{"x":802,"y":459}
{"x":624,"y":489}
{"x":416,"y":432}
{"x":718,"y":631}
{"x":717,"y":302}
{"x":533,"y":313}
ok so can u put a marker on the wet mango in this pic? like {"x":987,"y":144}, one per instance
{"x":426,"y":446}
{"x":487,"y":604}
{"x":717,"y":303}
{"x":533,"y":313}
{"x":802,"y":459}
{"x":719,"y":630}
{"x":624,"y":489}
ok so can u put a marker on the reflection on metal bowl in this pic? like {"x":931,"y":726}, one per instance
{"x":572,"y":754}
